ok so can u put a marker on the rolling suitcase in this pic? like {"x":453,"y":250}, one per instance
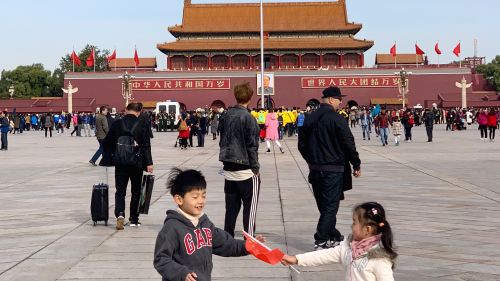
{"x":99,"y":205}
{"x":146,"y":192}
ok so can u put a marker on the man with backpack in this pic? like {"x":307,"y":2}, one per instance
{"x":129,"y":147}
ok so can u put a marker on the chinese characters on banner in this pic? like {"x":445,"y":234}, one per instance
{"x":180,"y":84}
{"x":350,"y":82}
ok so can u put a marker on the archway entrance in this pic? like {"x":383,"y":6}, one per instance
{"x":183,"y":107}
{"x":352,"y":103}
{"x":218,"y":104}
{"x":313,"y":103}
{"x":268,"y":103}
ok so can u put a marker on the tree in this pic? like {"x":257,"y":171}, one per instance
{"x":29,"y":81}
{"x":492,"y":72}
{"x":56,"y":83}
{"x":101,"y":63}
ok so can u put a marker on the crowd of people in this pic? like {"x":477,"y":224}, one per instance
{"x":188,"y":239}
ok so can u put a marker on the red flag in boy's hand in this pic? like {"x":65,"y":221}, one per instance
{"x":260,"y":251}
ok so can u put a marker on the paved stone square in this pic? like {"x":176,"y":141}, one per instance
{"x":442,"y":198}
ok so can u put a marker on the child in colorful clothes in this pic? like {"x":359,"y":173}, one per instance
{"x":184,"y":247}
{"x":367,"y":254}
{"x":397,"y":130}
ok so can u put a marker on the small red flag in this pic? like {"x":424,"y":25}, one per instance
{"x":75,"y":59}
{"x":436,"y":48}
{"x":418,"y":50}
{"x":112,"y":56}
{"x":260,"y":251}
{"x":136,"y":58}
{"x":457,"y":50}
{"x":91,"y":58}
{"x":393,"y":50}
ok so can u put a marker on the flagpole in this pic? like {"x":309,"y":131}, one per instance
{"x":135,"y":52}
{"x":395,"y":56}
{"x":438,"y":55}
{"x":73,"y":58}
{"x":460,"y":54}
{"x":262,"y":90}
{"x":416,"y":55}
{"x":93,"y":52}
{"x":115,"y":58}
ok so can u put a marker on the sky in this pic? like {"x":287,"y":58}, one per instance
{"x":34,"y":31}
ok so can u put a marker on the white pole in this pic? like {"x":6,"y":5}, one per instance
{"x":262,"y":53}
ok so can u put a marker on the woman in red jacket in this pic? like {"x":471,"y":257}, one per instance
{"x":492,"y":123}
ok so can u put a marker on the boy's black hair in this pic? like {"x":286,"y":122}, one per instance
{"x":181,"y":182}
{"x":373,"y":214}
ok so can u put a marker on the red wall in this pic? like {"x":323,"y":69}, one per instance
{"x":424,"y":86}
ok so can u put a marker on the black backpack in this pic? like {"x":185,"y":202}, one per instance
{"x":127,"y":152}
{"x":280,"y":120}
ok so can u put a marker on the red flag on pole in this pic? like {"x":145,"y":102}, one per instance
{"x":91,"y":58}
{"x":112,"y":56}
{"x":75,"y":59}
{"x":136,"y":58}
{"x":393,"y":50}
{"x":436,"y":48}
{"x":457,"y":50}
{"x":418,"y":50}
{"x":261,"y":251}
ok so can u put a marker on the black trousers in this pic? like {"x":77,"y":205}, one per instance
{"x":407,"y":133}
{"x":48,"y":129}
{"x":201,"y":139}
{"x":327,"y":188}
{"x":246,"y":191}
{"x":429,"y":132}
{"x":122,"y":176}
{"x":484,"y":131}
{"x":492,"y":132}
{"x":192,"y":132}
{"x":5,"y":143}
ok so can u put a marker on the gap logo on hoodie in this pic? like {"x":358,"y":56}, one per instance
{"x":203,"y":239}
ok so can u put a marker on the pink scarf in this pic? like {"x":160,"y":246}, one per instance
{"x":359,"y":248}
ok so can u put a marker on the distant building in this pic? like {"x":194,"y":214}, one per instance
{"x":128,"y":64}
{"x":401,"y":60}
{"x":297,"y":35}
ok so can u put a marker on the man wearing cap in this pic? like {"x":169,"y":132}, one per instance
{"x":327,"y":145}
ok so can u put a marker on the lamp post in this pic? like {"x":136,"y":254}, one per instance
{"x":126,"y":88}
{"x":12,"y":89}
{"x":403,"y":84}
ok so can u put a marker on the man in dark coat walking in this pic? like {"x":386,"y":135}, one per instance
{"x":327,"y":145}
{"x":429,"y":123}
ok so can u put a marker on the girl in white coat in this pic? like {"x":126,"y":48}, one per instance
{"x":367,"y":254}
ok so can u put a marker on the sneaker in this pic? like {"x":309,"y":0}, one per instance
{"x":92,"y":163}
{"x":120,"y":223}
{"x":135,"y":224}
{"x":268,"y":151}
{"x":334,"y":243}
{"x":282,"y":151}
{"x":321,"y":245}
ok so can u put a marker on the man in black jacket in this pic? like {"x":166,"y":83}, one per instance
{"x":239,"y":146}
{"x":142,"y":136}
{"x":327,"y":145}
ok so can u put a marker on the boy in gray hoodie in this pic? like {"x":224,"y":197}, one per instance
{"x":184,"y":246}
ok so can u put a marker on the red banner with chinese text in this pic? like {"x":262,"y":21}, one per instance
{"x":350,"y":82}
{"x":180,"y":84}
